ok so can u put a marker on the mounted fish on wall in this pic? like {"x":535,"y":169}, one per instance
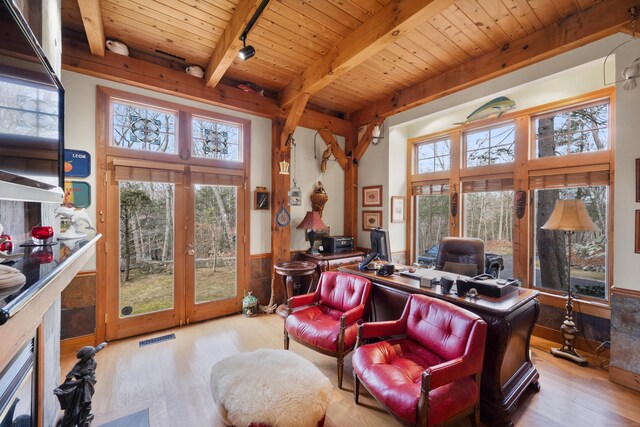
{"x":494,"y":108}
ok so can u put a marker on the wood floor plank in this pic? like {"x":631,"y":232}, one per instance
{"x":171,"y":378}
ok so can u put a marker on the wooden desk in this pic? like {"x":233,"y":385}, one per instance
{"x":508,"y":369}
{"x":332,"y":260}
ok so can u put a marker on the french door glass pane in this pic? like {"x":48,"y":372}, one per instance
{"x":489,"y":217}
{"x":215,"y":242}
{"x":147,"y":215}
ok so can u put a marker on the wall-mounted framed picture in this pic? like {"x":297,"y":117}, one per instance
{"x":372,"y":196}
{"x":638,"y":180}
{"x":398,"y":208}
{"x":371,"y":219}
{"x":261,"y":198}
{"x":638,"y":231}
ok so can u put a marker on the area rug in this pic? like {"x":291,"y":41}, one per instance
{"x":138,"y":419}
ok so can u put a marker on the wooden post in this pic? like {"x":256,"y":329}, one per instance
{"x":351,"y":189}
{"x":280,"y":236}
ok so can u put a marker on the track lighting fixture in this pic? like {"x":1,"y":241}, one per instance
{"x":248,"y":51}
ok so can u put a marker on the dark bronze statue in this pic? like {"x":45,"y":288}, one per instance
{"x":76,"y":392}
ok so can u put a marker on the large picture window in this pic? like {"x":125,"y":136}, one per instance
{"x":502,"y":187}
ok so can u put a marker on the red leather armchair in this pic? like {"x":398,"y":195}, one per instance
{"x":327,"y":320}
{"x":430,"y":375}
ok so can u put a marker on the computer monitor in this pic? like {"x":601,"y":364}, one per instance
{"x":380,"y":243}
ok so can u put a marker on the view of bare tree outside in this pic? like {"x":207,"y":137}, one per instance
{"x":215,"y":140}
{"x":577,"y":131}
{"x":489,"y":216}
{"x":434,"y":156}
{"x":146,"y":247}
{"x":432,"y":221}
{"x":589,"y":252}
{"x":490,"y":146}
{"x":143,"y":128}
{"x":29,"y":110}
{"x":215,"y":242}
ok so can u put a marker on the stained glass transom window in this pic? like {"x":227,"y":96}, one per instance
{"x":142,"y":128}
{"x":212,"y":139}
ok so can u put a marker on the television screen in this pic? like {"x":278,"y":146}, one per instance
{"x":380,"y":244}
{"x":30,"y":108}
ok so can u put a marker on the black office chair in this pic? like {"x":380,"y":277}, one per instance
{"x":461,"y":255}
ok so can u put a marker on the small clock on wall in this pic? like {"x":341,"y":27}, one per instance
{"x":261,"y":199}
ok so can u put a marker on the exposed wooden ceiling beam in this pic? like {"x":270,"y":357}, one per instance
{"x":293,"y":119}
{"x":229,"y":44}
{"x":336,"y":150}
{"x":386,"y":26}
{"x":155,"y":77}
{"x":594,"y":23}
{"x":93,"y":26}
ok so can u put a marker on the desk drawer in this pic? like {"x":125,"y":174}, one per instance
{"x":334,"y":264}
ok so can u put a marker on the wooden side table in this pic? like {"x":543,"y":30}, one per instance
{"x":288,"y":270}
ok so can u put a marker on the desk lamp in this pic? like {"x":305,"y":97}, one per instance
{"x":312,"y":222}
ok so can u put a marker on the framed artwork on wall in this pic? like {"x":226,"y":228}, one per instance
{"x":372,"y":196}
{"x":638,"y":231}
{"x":638,"y":180}
{"x":398,"y":208}
{"x":261,"y":198}
{"x":371,"y":219}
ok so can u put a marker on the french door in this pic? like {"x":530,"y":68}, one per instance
{"x":175,"y":246}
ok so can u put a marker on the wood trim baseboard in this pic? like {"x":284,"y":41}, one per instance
{"x":581,"y":344}
{"x":625,"y":378}
{"x":622,"y":292}
{"x":72,"y":345}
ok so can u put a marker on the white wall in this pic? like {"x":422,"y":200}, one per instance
{"x":550,"y":80}
{"x":80,"y":124}
{"x":307,"y":173}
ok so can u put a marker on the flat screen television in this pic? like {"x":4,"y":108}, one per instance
{"x":380,"y":244}
{"x":31,"y":108}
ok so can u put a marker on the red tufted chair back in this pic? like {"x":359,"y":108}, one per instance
{"x":342,"y":292}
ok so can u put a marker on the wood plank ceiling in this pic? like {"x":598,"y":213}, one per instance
{"x":292,"y":35}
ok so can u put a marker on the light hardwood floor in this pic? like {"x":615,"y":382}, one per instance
{"x":172,"y":379}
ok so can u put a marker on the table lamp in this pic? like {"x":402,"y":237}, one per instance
{"x":569,"y":216}
{"x":312,"y":222}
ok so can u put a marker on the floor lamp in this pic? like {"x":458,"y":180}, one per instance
{"x":569,"y":216}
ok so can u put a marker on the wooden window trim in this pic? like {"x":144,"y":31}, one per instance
{"x":524,"y":166}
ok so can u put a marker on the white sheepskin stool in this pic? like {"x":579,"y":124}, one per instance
{"x":267,"y":387}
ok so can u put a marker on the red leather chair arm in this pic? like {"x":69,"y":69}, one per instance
{"x":448,"y":372}
{"x":351,"y":316}
{"x":379,"y":329}
{"x":301,"y":300}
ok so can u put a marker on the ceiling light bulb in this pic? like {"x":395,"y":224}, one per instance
{"x":246,"y":52}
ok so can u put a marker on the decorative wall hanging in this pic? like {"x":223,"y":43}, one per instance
{"x":372,"y":196}
{"x":371,"y":219}
{"x":454,"y":204}
{"x":319,"y":198}
{"x":494,"y":108}
{"x":638,"y":231}
{"x":77,"y":163}
{"x":261,"y":198}
{"x":398,"y":209}
{"x":77,"y":194}
{"x":326,"y":154}
{"x":282,"y":216}
{"x":521,"y":203}
{"x":295,"y":194}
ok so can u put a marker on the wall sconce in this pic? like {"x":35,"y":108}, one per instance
{"x":376,"y":134}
